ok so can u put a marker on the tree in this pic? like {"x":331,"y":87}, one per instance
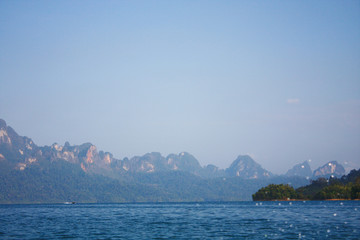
{"x":275,"y":192}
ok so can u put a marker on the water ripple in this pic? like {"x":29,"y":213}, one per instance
{"x":240,"y":220}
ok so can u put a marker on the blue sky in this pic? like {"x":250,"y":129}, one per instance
{"x":279,"y":80}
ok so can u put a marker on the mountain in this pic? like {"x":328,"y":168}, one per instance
{"x":212,"y":171}
{"x":301,"y":169}
{"x":21,"y":152}
{"x":154,"y":162}
{"x":81,"y":173}
{"x":330,"y":169}
{"x":16,"y":151}
{"x":245,"y":167}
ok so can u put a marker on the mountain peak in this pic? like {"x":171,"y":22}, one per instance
{"x":244,"y":166}
{"x":330,"y":169}
{"x":10,"y":137}
{"x":185,"y":162}
{"x":301,"y":169}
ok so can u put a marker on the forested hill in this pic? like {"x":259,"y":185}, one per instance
{"x":346,"y":187}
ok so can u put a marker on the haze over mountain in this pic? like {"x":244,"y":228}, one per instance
{"x":30,"y":173}
{"x":301,"y":169}
{"x":275,"y":80}
{"x":330,"y":169}
{"x":22,"y":152}
{"x":246,"y":167}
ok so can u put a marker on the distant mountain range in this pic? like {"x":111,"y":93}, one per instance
{"x":30,"y":173}
{"x":330,"y":169}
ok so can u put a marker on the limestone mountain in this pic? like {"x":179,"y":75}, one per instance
{"x":21,"y":152}
{"x":57,"y":173}
{"x":245,"y":167}
{"x":301,"y":169}
{"x":330,"y":169}
{"x":155,"y":162}
{"x":81,"y":173}
{"x":16,"y":151}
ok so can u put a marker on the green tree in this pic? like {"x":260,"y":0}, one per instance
{"x":275,"y":192}
{"x":355,"y":191}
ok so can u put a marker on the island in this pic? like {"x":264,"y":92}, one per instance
{"x":345,"y":188}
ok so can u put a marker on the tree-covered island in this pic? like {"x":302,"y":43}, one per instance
{"x":346,"y":187}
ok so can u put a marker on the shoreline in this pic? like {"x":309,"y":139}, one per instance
{"x":294,"y":200}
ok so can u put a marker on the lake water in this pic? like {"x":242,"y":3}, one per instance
{"x":239,"y":220}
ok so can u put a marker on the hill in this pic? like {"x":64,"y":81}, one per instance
{"x":346,"y":187}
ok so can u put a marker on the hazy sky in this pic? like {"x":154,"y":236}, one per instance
{"x":279,"y":80}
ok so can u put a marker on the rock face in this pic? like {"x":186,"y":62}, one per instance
{"x":330,"y":169}
{"x":31,"y":173}
{"x":301,"y":169}
{"x":18,"y":152}
{"x":21,"y":152}
{"x":245,"y":167}
{"x":155,"y":162}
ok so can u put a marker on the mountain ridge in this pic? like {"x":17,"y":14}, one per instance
{"x":26,"y":152}
{"x":31,"y":173}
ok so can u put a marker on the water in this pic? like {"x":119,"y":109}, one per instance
{"x":240,"y":220}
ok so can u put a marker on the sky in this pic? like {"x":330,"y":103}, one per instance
{"x":278,"y":80}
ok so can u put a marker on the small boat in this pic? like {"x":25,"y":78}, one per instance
{"x":69,"y":202}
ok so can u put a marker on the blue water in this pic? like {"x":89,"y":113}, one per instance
{"x":240,"y":220}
